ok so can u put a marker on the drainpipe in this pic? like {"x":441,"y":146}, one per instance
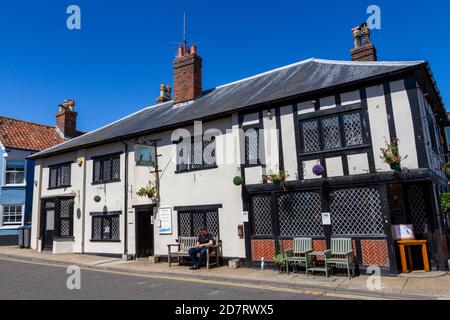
{"x":125,"y":189}
{"x":83,"y":210}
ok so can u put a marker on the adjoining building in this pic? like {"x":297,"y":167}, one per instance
{"x":18,"y":140}
{"x":315,"y":114}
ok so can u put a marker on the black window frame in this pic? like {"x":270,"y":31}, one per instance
{"x":247,"y":162}
{"x":102,"y":216}
{"x":102,"y":160}
{"x":195,"y":211}
{"x":58,"y":180}
{"x":432,"y":132}
{"x":327,"y":115}
{"x":191,"y":166}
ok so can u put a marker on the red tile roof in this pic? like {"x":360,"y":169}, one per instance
{"x":19,"y":134}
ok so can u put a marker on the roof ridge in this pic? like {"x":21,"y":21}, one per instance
{"x":371,"y":63}
{"x":30,"y":122}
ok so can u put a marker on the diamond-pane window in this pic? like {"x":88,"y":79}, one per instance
{"x":262,"y":217}
{"x":352,"y":129}
{"x":251,"y":146}
{"x":107,"y":169}
{"x":356,"y":212}
{"x":189,"y":222}
{"x":417,"y":205}
{"x":299,"y":214}
{"x":106,"y":226}
{"x":202,"y":154}
{"x":331,"y":133}
{"x":310,"y":131}
{"x":60,"y":176}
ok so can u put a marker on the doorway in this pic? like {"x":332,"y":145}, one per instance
{"x":144,"y":231}
{"x":48,"y":225}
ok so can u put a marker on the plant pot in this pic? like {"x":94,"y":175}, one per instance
{"x":395,"y":166}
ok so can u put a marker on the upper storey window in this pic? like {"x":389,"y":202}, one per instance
{"x":15,"y":172}
{"x":332,"y":132}
{"x":107,"y":169}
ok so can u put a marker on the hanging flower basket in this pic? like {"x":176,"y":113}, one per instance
{"x":391,"y":156}
{"x":237,"y":181}
{"x":318,"y":169}
{"x":149,"y":192}
{"x":277,"y":178}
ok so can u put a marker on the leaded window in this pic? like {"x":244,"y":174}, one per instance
{"x":202,"y":154}
{"x":352,"y":129}
{"x":356,"y":212}
{"x":66,"y":218}
{"x":60,"y":176}
{"x":262,"y":215}
{"x":252,"y":146}
{"x":106,"y":226}
{"x":107,"y":169}
{"x":299,"y":214}
{"x":331,"y":132}
{"x":189,"y":222}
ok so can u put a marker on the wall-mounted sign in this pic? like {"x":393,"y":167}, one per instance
{"x":165,"y":220}
{"x":145,"y":155}
{"x":326,"y":218}
{"x":245,"y":216}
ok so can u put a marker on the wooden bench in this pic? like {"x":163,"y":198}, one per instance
{"x":341,"y":254}
{"x":298,"y":255}
{"x":185,"y":243}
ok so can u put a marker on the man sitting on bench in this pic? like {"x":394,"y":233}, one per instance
{"x":204,"y":241}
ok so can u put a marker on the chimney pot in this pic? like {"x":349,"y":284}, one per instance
{"x":363,"y":49}
{"x":66,"y":119}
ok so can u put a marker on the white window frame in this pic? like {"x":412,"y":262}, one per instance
{"x":4,"y":184}
{"x":4,"y":225}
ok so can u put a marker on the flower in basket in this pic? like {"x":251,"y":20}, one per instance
{"x":149,"y":192}
{"x":390,"y":154}
{"x":318,"y":169}
{"x":277,"y":178}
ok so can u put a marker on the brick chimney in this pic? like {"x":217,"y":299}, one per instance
{"x":187,"y":75}
{"x":363,"y":50}
{"x":66,"y":119}
{"x":164,"y":93}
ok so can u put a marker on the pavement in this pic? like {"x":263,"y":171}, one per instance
{"x":434,"y":285}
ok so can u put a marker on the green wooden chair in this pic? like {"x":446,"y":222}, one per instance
{"x":340,"y":255}
{"x":298,"y":255}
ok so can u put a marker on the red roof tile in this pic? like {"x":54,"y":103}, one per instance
{"x":19,"y":134}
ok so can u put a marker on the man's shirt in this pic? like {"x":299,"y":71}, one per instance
{"x":205,"y":239}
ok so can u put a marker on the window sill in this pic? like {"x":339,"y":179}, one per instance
{"x":14,"y":185}
{"x":361,"y":146}
{"x":196,"y":169}
{"x":61,"y":239}
{"x":105,"y":182}
{"x":61,"y":187}
{"x":104,"y":240}
{"x":10,"y":226}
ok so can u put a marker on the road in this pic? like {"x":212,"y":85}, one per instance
{"x":32,"y":280}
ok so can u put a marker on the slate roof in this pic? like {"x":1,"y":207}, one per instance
{"x":19,"y":134}
{"x":289,"y":81}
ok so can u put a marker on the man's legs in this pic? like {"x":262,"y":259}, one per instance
{"x":202,"y":254}
{"x":193,"y":254}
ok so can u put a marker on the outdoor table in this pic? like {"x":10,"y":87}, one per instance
{"x":314,"y":255}
{"x":408,"y":244}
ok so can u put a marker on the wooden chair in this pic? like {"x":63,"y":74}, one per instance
{"x":298,"y":255}
{"x":341,"y":254}
{"x":185,"y":243}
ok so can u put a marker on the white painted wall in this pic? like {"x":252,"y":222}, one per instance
{"x":379,"y":126}
{"x":288,"y":140}
{"x":404,"y":124}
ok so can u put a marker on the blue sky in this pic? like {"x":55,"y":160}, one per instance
{"x":113,"y":66}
